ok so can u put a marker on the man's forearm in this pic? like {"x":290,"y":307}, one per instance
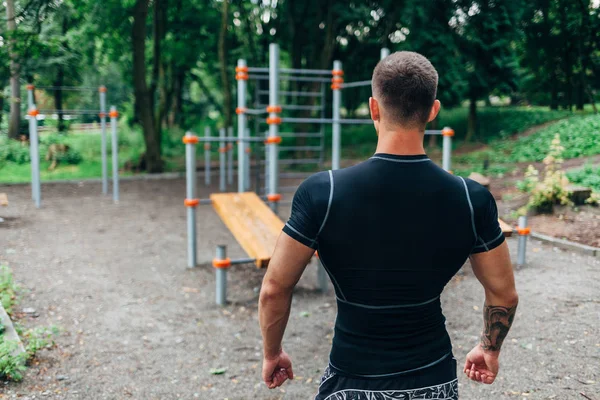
{"x":497,"y":321}
{"x":274,"y":311}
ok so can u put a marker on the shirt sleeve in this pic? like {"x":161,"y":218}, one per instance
{"x":309,"y":209}
{"x":485,"y":216}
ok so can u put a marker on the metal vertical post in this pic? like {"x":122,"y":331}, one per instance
{"x":207,"y":156}
{"x":35,"y":157}
{"x":221,"y":286}
{"x":247,"y":151}
{"x":102,"y":91}
{"x":322,"y":126}
{"x":30,"y":105}
{"x":30,"y":102}
{"x":447,"y":133}
{"x":337,"y":103}
{"x":242,"y":79}
{"x":190,"y":196}
{"x":322,"y":278}
{"x":523,"y":231}
{"x":274,"y":120}
{"x":115,"y":152}
{"x":230,"y":156}
{"x":384,"y":53}
{"x":222,"y":160}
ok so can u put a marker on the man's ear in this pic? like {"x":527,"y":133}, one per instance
{"x":435,"y":109}
{"x":374,"y":108}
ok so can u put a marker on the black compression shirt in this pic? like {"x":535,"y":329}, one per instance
{"x":391,"y":232}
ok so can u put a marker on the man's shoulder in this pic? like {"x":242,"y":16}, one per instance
{"x":479,"y":194}
{"x":317,"y":182}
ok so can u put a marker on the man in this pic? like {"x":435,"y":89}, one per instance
{"x":391,"y":232}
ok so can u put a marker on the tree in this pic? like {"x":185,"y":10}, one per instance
{"x":487,"y":35}
{"x":15,"y":85}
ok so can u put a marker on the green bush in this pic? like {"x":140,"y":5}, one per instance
{"x":13,"y":151}
{"x":11,"y":366}
{"x":8,"y":289}
{"x":71,"y":156}
{"x":587,"y":176}
{"x":579,"y":135}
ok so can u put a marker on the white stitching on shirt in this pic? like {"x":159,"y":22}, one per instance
{"x":296,"y":230}
{"x":491,"y":241}
{"x":470,"y":208}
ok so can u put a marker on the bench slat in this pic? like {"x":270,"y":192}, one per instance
{"x":506,"y":228}
{"x":251,"y":221}
{"x":3,"y":199}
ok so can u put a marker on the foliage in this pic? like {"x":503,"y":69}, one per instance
{"x":13,"y":151}
{"x":39,"y":338}
{"x":588,"y":176}
{"x":552,"y":189}
{"x":578,"y":134}
{"x":8,"y":288}
{"x":12,"y":365}
{"x":71,"y":156}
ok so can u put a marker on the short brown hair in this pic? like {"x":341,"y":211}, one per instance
{"x":405,"y":83}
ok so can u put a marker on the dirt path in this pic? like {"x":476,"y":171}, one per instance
{"x":137,"y":325}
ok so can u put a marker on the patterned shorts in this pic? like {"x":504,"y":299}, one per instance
{"x":437,"y":382}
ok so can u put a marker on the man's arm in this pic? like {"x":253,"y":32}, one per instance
{"x":285,"y":269}
{"x":494,"y":270}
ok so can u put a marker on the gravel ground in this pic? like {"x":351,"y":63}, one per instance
{"x":137,"y":324}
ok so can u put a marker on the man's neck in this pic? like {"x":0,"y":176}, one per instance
{"x":402,"y":142}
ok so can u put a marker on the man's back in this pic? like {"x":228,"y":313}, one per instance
{"x":391,"y":232}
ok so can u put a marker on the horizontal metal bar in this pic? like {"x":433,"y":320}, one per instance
{"x":305,"y":71}
{"x":325,"y":121}
{"x":292,"y":175}
{"x":264,"y":92}
{"x":298,"y":94}
{"x":301,"y":135}
{"x":229,"y":139}
{"x":301,"y":107}
{"x":258,"y":69}
{"x":299,"y":148}
{"x":72,"y":88}
{"x":291,"y":78}
{"x":205,"y":202}
{"x":294,"y":161}
{"x":243,"y":261}
{"x":69,"y":111}
{"x":433,"y":132}
{"x":256,"y":111}
{"x":356,"y":84}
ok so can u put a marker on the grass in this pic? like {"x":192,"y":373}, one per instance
{"x":13,"y":365}
{"x":580,"y":135}
{"x":588,"y":176}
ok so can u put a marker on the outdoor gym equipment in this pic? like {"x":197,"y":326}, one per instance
{"x":33,"y":113}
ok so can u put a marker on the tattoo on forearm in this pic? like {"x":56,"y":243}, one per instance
{"x":497,"y":323}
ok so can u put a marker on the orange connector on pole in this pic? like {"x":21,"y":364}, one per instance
{"x":448,"y":132}
{"x":190,"y":139}
{"x":337,"y":72}
{"x":223,"y":149}
{"x":30,"y":87}
{"x":241,"y":73}
{"x":220,"y":264}
{"x":274,"y":109}
{"x":524,"y":231}
{"x":206,"y":146}
{"x":102,"y":89}
{"x":102,"y":115}
{"x":113,"y":114}
{"x":33,"y":112}
{"x":191,"y":202}
{"x":273,"y":140}
{"x":273,"y":198}
{"x":240,"y":110}
{"x":273,"y":120}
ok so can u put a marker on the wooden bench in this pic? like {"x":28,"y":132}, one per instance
{"x":506,"y":228}
{"x":252,"y":223}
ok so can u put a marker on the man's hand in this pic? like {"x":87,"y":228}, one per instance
{"x":277,"y":370}
{"x":482,"y":366}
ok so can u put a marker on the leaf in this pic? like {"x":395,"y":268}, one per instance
{"x":217,"y":371}
{"x":305,"y":314}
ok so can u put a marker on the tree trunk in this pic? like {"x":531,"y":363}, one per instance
{"x":227,"y":117}
{"x":158,"y":71}
{"x":472,"y":123}
{"x":15,"y":86}
{"x":1,"y":106}
{"x":58,"y":96}
{"x":152,"y":157}
{"x":176,"y":98}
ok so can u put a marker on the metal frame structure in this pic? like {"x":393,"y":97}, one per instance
{"x":33,"y":113}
